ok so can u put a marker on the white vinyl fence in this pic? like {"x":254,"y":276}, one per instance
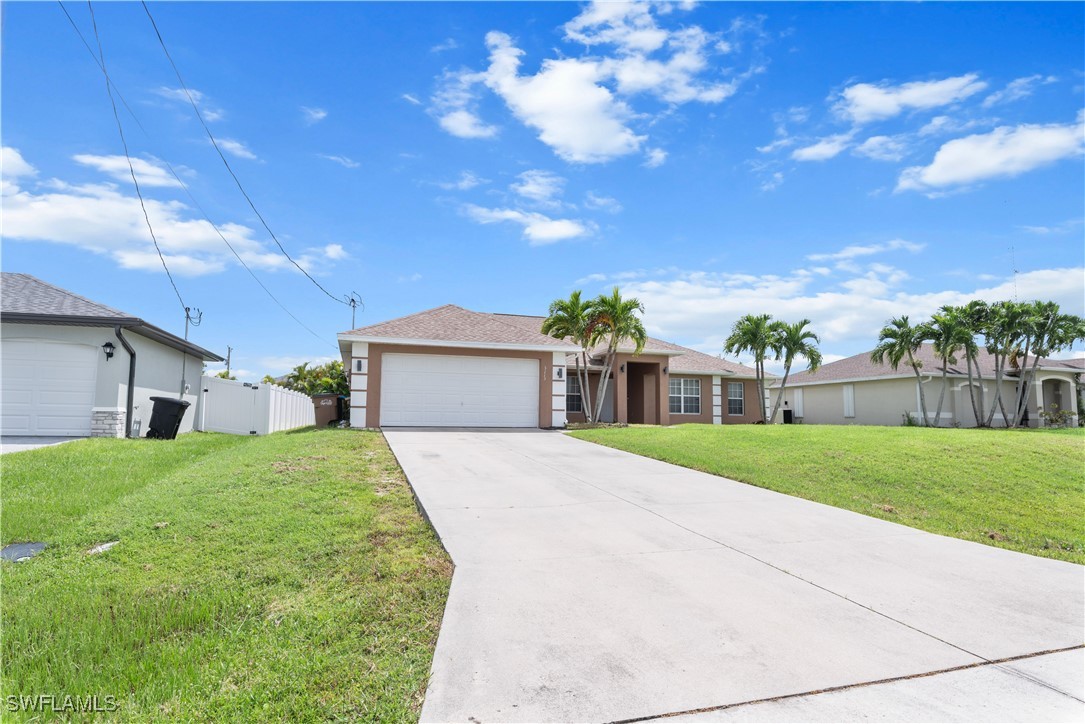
{"x":244,"y":408}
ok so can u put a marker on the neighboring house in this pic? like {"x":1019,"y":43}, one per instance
{"x":450,"y":366}
{"x":73,"y":367}
{"x":856,"y":391}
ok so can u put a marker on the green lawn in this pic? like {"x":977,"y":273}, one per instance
{"x":287,"y":577}
{"x":1017,"y":489}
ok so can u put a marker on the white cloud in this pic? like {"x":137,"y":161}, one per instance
{"x":237,"y":148}
{"x":1063,"y":228}
{"x":409,"y":278}
{"x":209,"y":113}
{"x":465,"y":182}
{"x":542,"y":187}
{"x":446,"y":44}
{"x":411,"y":99}
{"x":1004,"y":152}
{"x":773,"y":181}
{"x":603,"y":203}
{"x":313,"y":115}
{"x":341,"y":160}
{"x":335,"y":252}
{"x":14,"y":166}
{"x":539,"y":229}
{"x":1017,"y":89}
{"x":883,"y":148}
{"x":655,"y":157}
{"x":580,"y":106}
{"x":944,"y":125}
{"x":859,"y":250}
{"x":102,"y":219}
{"x":456,"y":107}
{"x":148,"y":173}
{"x":277,"y":366}
{"x":824,"y":149}
{"x":866,"y":102}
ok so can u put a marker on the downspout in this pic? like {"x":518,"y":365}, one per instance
{"x":131,"y":381}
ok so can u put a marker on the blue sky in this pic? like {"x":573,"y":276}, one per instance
{"x":841,"y":162}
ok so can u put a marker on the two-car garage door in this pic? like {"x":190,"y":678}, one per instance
{"x":47,"y":388}
{"x":422,"y":390}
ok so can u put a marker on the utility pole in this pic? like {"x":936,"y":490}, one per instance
{"x":229,"y":351}
{"x":353,"y":301}
{"x":193,"y":317}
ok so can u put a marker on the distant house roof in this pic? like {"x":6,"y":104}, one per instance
{"x":860,"y":367}
{"x":25,"y":299}
{"x":457,"y":326}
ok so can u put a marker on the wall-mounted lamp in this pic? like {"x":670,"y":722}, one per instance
{"x":108,"y":348}
{"x":664,"y":370}
{"x":561,"y":372}
{"x":622,"y":369}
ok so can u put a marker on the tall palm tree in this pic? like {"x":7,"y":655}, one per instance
{"x":973,"y":316}
{"x":1002,"y":338}
{"x":754,"y":334}
{"x":613,"y":320}
{"x":898,"y":340}
{"x":949,"y":335}
{"x":1046,"y":331}
{"x":791,"y":341}
{"x":570,"y":319}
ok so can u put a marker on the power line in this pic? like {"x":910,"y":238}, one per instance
{"x":222,"y":156}
{"x":184,"y":186}
{"x":131,"y":168}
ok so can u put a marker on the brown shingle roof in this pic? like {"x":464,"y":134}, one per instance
{"x":861,"y":367}
{"x":456,"y":324}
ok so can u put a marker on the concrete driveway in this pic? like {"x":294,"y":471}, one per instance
{"x":19,"y":443}
{"x":596,"y":585}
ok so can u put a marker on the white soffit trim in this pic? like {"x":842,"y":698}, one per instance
{"x":458,"y":344}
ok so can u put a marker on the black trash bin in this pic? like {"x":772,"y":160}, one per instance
{"x":788,"y":417}
{"x":166,"y":416}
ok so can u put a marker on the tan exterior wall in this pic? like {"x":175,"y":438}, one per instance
{"x":372,"y":393}
{"x":750,"y":411}
{"x":884,"y":402}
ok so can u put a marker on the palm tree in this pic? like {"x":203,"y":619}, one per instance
{"x":1046,"y":331}
{"x":949,"y":335}
{"x":791,"y":341}
{"x":569,"y":319}
{"x":613,"y":320}
{"x":1002,"y":338}
{"x":897,"y":340}
{"x":973,"y":317}
{"x":754,"y":334}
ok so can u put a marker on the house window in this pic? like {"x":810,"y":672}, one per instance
{"x":685,"y":396}
{"x":573,"y":401}
{"x":849,"y":400}
{"x":735,"y":400}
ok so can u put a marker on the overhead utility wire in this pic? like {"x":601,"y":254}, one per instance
{"x":184,"y":186}
{"x":237,"y":181}
{"x":131,"y":168}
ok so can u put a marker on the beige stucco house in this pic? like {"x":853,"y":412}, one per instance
{"x":453,"y":367}
{"x":856,"y":391}
{"x":72,"y":367}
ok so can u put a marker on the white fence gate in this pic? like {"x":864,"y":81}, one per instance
{"x":244,"y":408}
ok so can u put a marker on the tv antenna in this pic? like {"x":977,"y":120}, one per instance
{"x":354,"y":300}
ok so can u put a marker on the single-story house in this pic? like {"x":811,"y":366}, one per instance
{"x":453,"y":367}
{"x":857,"y":391}
{"x":73,"y":367}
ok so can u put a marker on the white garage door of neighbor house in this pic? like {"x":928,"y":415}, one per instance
{"x":426,"y":390}
{"x":48,"y":387}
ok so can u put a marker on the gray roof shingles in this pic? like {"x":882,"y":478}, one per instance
{"x":24,"y":294}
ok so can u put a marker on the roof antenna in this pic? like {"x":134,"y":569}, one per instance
{"x":354,"y":300}
{"x":1013,"y":261}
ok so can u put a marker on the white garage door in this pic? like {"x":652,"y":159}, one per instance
{"x":427,"y":390}
{"x":47,"y":388}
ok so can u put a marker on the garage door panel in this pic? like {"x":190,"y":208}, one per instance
{"x":48,"y":388}
{"x":459,"y":391}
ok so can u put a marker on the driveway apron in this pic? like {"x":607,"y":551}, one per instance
{"x":596,"y":585}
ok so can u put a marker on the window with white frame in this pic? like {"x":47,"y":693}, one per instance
{"x":573,"y":401}
{"x":685,"y":396}
{"x":849,"y":400}
{"x":735,"y":398}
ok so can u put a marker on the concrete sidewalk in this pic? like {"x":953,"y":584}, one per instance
{"x":21,"y":443}
{"x":596,"y":585}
